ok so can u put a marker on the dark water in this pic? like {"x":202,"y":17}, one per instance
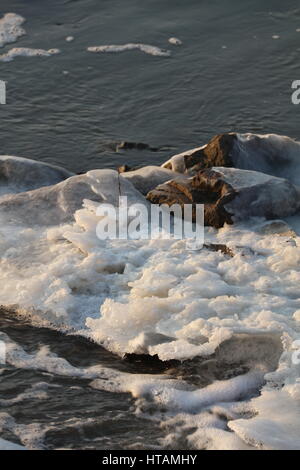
{"x":74,"y":415}
{"x":180,"y":101}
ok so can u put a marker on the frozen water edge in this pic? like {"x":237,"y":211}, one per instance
{"x":158,"y":298}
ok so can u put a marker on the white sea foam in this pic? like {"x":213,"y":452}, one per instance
{"x":158,"y":298}
{"x":175,"y":41}
{"x":38,"y":391}
{"x":27,"y":52}
{"x":10,"y":28}
{"x":146,"y":48}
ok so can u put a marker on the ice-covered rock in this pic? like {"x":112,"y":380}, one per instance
{"x":22,"y":174}
{"x":56,"y":204}
{"x":231,"y":195}
{"x":215,"y":153}
{"x":147,"y":178}
{"x":272,"y":154}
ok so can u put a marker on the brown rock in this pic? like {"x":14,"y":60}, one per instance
{"x":206,"y":187}
{"x":216,"y":153}
{"x":231,"y":194}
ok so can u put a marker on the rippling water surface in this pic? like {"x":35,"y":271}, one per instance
{"x":229,"y":74}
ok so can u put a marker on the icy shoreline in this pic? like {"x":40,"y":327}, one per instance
{"x":156,"y":297}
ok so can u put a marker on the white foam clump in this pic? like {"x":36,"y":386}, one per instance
{"x":10,"y":28}
{"x":27,"y":52}
{"x":175,"y":41}
{"x":146,"y":48}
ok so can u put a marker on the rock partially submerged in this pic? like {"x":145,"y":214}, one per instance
{"x":125,"y":145}
{"x":231,"y":195}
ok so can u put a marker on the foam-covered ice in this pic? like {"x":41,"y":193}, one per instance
{"x":27,"y":52}
{"x":157,"y":297}
{"x":11,"y":28}
{"x":146,"y":48}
